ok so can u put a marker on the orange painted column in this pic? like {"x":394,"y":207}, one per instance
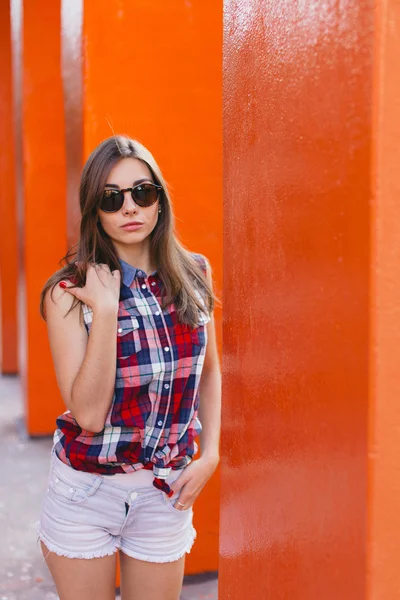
{"x":44,"y":226}
{"x":298,"y":146}
{"x":158,"y":78}
{"x":384,"y":421}
{"x":8,"y":205}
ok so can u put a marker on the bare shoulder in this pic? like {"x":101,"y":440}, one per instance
{"x":58,"y":302}
{"x":65,"y":326}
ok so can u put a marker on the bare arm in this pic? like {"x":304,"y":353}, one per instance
{"x":85,"y":365}
{"x":93,"y":387}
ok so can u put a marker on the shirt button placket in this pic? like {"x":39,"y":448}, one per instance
{"x":168,"y":359}
{"x":166,"y":386}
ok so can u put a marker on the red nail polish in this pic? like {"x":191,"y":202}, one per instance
{"x":63,"y":284}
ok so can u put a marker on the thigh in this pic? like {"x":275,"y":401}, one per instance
{"x":80,"y":579}
{"x":142,"y":580}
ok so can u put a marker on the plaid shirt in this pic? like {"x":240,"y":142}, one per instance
{"x":152,"y":422}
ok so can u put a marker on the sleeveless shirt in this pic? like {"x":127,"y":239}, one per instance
{"x":153,"y":420}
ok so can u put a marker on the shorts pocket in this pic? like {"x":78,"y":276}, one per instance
{"x":170,"y":505}
{"x":69,"y":491}
{"x":128,"y":337}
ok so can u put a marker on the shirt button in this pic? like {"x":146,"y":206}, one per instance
{"x":166,"y":386}
{"x":144,"y":286}
{"x":133,"y":495}
{"x":166,"y":349}
{"x":157,"y":313}
{"x":159,"y":423}
{"x":119,"y":329}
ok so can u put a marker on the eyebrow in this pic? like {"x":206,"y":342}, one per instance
{"x":115,"y":185}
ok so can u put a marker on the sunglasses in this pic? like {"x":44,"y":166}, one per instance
{"x":144,"y":195}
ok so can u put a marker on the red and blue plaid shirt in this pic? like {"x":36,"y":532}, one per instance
{"x":152,"y":422}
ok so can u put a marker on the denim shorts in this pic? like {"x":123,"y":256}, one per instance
{"x":85,"y":515}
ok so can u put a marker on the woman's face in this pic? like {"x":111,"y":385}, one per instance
{"x":127,"y":173}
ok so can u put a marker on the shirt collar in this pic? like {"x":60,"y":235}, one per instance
{"x":128,"y":273}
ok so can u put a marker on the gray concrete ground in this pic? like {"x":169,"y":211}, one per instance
{"x":24,"y":467}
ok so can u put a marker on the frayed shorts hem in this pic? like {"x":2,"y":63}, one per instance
{"x":108,"y":551}
{"x":162,"y":559}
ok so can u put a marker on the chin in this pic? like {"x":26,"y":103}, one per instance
{"x":131,"y":237}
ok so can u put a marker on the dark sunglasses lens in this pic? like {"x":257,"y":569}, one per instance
{"x":111,"y":201}
{"x":145,"y":195}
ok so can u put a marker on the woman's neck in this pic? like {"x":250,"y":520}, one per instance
{"x":138,"y":257}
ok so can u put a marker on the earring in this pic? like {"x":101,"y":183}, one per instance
{"x":159,"y":210}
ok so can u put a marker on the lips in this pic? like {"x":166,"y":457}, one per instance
{"x":132,"y":224}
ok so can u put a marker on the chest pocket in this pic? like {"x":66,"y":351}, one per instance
{"x":128,"y":337}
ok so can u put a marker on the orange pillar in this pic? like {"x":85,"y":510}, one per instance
{"x":8,"y":204}
{"x":159,"y":80}
{"x":298,"y":90}
{"x":44,"y":200}
{"x":384,"y":421}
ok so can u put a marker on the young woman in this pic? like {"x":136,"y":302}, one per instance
{"x":132,"y":337}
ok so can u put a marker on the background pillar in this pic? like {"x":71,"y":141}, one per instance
{"x":384,"y":422}
{"x":298,"y":90}
{"x":160,"y":81}
{"x":44,"y":200}
{"x":8,"y":204}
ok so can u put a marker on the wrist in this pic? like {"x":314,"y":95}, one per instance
{"x":211,"y":457}
{"x":105,"y":311}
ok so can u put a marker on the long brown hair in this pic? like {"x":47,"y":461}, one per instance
{"x":179,"y":271}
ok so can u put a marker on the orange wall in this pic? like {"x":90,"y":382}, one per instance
{"x":44,"y":227}
{"x":8,"y":205}
{"x":384,"y":477}
{"x":297,"y":160}
{"x":160,"y":82}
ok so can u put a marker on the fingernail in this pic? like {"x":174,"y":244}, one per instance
{"x":63,"y":284}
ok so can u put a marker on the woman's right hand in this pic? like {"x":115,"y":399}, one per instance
{"x":101,"y":290}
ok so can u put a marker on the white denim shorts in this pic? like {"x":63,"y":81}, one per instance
{"x":85,"y":515}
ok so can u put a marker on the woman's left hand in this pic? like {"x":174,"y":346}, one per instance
{"x":192,"y":481}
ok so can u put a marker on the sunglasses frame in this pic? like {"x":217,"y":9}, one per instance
{"x":131,"y":190}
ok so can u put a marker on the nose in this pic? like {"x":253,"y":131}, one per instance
{"x":129,"y":204}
